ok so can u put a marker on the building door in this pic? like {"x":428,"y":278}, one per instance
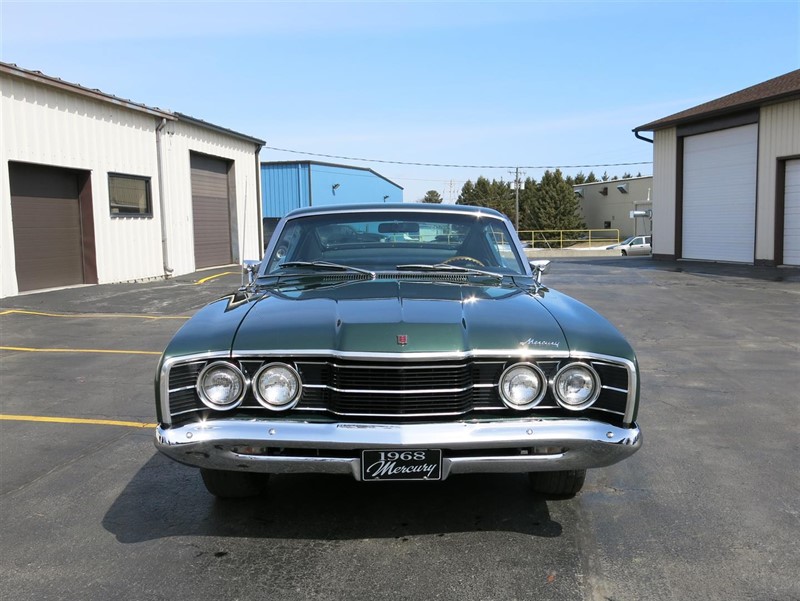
{"x":791,"y":214}
{"x":211,"y":212}
{"x":719,"y":195}
{"x":52,"y":224}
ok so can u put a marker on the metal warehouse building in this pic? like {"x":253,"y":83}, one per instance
{"x":97,"y":189}
{"x":291,"y":185}
{"x":726,"y":177}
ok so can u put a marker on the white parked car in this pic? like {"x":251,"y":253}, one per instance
{"x":635,"y":245}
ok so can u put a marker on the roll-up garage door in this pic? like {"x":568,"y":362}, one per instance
{"x":791,"y":214}
{"x":719,"y":195}
{"x":46,"y":219}
{"x":211,"y":212}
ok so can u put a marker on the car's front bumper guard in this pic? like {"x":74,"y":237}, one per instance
{"x":510,"y":446}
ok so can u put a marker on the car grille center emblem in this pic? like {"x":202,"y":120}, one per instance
{"x":402,"y":339}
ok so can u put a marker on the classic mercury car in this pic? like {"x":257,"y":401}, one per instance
{"x":396,"y":342}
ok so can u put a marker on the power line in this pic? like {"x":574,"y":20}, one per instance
{"x":335,"y":156}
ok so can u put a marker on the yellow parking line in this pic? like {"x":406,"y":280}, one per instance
{"x":75,"y":420}
{"x":90,"y":315}
{"x":212,"y":277}
{"x":23,"y":349}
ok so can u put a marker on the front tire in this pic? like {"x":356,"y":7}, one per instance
{"x":234,"y":485}
{"x":624,"y":253}
{"x":564,"y":484}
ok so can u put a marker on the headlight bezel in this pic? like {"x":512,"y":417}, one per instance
{"x":593,"y":376}
{"x":542,"y":386}
{"x":202,"y":394}
{"x":298,"y":393}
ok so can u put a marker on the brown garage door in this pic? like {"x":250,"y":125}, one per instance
{"x":46,"y":216}
{"x":211,"y":212}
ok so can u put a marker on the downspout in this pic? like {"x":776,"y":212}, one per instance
{"x":161,"y":202}
{"x":641,"y":137}
{"x":259,"y":203}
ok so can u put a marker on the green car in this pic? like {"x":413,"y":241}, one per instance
{"x":396,"y":342}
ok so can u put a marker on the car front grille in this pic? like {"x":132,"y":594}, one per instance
{"x":400,"y":390}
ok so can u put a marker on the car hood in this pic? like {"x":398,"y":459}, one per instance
{"x":399,"y":317}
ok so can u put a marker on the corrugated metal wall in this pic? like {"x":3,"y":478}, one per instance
{"x":665,"y":154}
{"x":284,"y":187}
{"x":779,"y":137}
{"x":45,"y":125}
{"x":179,"y":140}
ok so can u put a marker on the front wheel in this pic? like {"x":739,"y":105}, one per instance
{"x":564,"y":484}
{"x":233,"y":485}
{"x":624,"y":253}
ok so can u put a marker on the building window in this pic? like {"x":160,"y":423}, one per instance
{"x":129,"y":195}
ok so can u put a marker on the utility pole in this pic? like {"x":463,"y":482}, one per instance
{"x":517,"y":184}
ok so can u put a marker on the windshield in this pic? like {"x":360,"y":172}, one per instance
{"x":384,"y":240}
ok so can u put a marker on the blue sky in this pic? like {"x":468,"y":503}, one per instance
{"x":519,"y":83}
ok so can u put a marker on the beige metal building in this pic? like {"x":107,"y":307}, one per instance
{"x":608,"y":205}
{"x":97,"y":189}
{"x":727,"y":177}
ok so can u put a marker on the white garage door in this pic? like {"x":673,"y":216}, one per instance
{"x":791,"y":215}
{"x":719,"y":195}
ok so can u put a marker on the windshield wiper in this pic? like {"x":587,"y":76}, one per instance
{"x":326,"y":265}
{"x":448,"y":267}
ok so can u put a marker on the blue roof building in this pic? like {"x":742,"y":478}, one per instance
{"x":294,"y":184}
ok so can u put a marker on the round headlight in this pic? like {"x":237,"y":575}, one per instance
{"x":576,"y":386}
{"x":277,"y":386}
{"x":522,"y":386}
{"x":221,"y":386}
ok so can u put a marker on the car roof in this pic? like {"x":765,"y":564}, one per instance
{"x":415,"y":207}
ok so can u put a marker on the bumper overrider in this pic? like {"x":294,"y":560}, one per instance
{"x":275,"y":446}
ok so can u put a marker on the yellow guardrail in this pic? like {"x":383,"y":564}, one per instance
{"x":569,"y":238}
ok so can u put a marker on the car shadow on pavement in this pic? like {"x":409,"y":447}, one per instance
{"x":165,"y":499}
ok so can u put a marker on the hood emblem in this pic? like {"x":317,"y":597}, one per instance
{"x":402,"y":339}
{"x":535,"y":342}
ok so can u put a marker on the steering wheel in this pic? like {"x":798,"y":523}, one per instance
{"x":463,"y":258}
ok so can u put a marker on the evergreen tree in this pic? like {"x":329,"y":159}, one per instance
{"x":432,"y":197}
{"x":496,"y":195}
{"x":556,"y":206}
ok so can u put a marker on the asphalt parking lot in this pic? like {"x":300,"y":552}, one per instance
{"x":708,"y":509}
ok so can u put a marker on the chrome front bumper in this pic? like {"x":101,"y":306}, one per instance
{"x":274,"y":446}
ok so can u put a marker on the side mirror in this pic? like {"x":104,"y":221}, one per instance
{"x":249,"y":271}
{"x":540,"y":268}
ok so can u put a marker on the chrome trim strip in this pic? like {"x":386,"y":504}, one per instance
{"x":182,"y":388}
{"x":398,"y":367}
{"x":212,"y":444}
{"x":622,"y":390}
{"x":399,"y":392}
{"x":499,"y":354}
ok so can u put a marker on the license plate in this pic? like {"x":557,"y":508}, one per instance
{"x":414,"y":464}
